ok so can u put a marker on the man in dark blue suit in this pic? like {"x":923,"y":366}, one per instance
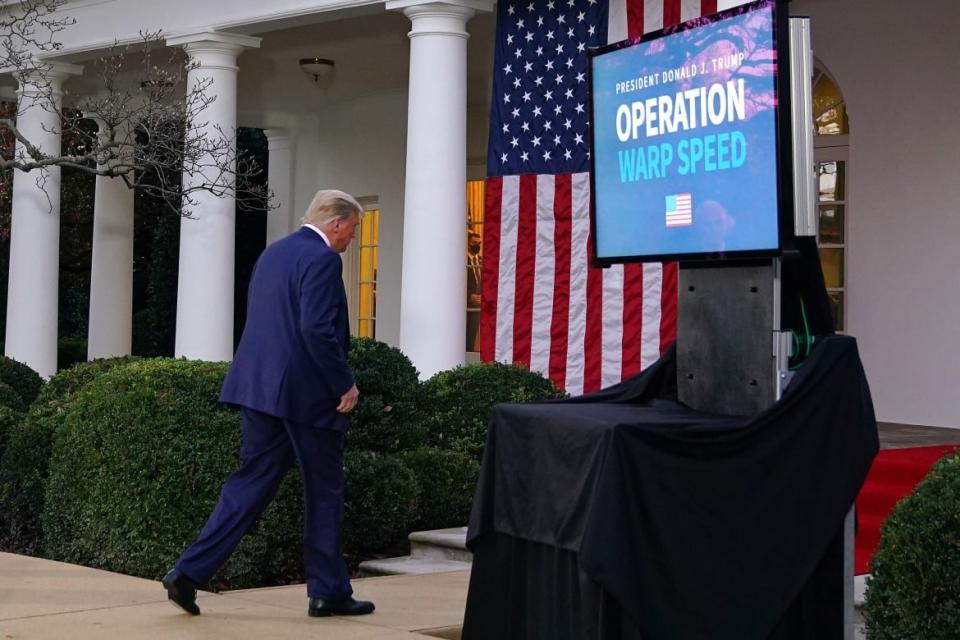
{"x":293,"y":385}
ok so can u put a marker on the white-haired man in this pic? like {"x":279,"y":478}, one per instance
{"x":294,"y":387}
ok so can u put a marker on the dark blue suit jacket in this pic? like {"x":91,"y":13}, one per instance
{"x":292,"y":358}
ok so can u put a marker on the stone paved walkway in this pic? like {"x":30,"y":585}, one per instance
{"x":41,"y":599}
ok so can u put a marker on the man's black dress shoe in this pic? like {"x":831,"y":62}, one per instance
{"x":346,"y":607}
{"x":181,"y":591}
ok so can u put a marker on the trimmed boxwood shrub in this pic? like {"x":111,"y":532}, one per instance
{"x":386,"y":417}
{"x":9,"y":419}
{"x":914,"y":587}
{"x":458,"y":401}
{"x":10,"y":399}
{"x":24,"y":380}
{"x":136,"y":468}
{"x":381,"y":502}
{"x":445,"y":486}
{"x":23,"y":466}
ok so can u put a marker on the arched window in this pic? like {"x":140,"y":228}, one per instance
{"x":832,"y":127}
{"x":829,"y":109}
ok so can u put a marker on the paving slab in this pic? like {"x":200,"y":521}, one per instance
{"x":222,"y":617}
{"x":36,"y":587}
{"x":410,"y":603}
{"x":41,"y":599}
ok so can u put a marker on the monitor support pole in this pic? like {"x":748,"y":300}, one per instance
{"x":732,"y":355}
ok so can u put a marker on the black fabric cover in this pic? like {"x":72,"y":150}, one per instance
{"x":692,"y":525}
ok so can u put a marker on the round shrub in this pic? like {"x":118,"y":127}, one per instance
{"x":386,"y":418}
{"x":914,"y":588}
{"x":458,"y":401}
{"x":445,"y":486}
{"x":24,"y":380}
{"x":380,"y":502}
{"x":10,"y":399}
{"x":9,"y":419}
{"x":23,"y":466}
{"x":136,"y":468}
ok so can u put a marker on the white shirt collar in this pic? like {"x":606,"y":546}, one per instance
{"x":321,"y":233}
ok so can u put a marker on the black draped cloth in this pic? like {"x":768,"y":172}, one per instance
{"x":624,"y":514}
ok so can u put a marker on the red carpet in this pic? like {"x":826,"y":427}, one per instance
{"x":894,"y":474}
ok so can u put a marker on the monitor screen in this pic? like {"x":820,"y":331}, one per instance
{"x":690,"y":153}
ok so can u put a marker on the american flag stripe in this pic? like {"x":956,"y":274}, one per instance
{"x":526,"y":269}
{"x":652,"y":327}
{"x":577,"y":332}
{"x":653,"y":14}
{"x":490,"y":281}
{"x":668,"y":305}
{"x":544,"y":283}
{"x":542,"y":305}
{"x":593,"y":358}
{"x":560,"y":324}
{"x":510,"y":219}
{"x":632,"y":318}
{"x":612,"y":349}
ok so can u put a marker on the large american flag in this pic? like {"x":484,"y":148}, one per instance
{"x":543,"y":306}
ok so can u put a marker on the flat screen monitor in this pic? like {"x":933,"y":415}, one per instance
{"x":690,"y":155}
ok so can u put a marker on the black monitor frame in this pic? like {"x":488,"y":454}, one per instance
{"x":784,"y":138}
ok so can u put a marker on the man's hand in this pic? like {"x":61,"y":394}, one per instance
{"x":348,"y":400}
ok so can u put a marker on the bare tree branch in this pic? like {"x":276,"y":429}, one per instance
{"x":153,"y":132}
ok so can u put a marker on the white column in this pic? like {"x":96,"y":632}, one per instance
{"x":111,"y":270}
{"x":280,"y":182}
{"x":35,"y":226}
{"x":432,"y":304}
{"x":207,"y":239}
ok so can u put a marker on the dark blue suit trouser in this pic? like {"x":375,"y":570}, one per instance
{"x":270,"y":445}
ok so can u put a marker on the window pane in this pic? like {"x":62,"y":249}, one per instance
{"x":366,"y":309}
{"x":831,"y":224}
{"x":367,"y":294}
{"x":368,"y":263}
{"x":365,"y":329}
{"x":836,"y":309}
{"x":473,"y":330}
{"x":831,"y":260}
{"x":829,"y":109}
{"x":831,"y":180}
{"x":366,"y":231}
{"x":474,"y":262}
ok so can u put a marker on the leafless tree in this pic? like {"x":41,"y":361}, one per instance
{"x":152,"y":129}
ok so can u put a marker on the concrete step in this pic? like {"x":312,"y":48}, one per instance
{"x":435,"y":551}
{"x":450,"y":544}
{"x":408,"y":565}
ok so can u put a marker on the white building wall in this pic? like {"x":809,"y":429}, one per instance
{"x":898,"y":65}
{"x":361,"y":149}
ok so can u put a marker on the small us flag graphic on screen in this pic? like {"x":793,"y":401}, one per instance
{"x":679,"y":210}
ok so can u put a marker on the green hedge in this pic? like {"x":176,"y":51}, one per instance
{"x":458,"y":401}
{"x":387,"y":417}
{"x":136,"y":468}
{"x":445,"y":484}
{"x":381,"y":502}
{"x":23,"y":466}
{"x":10,"y":399}
{"x":9,"y":419}
{"x":137,"y":463}
{"x":24,"y":380}
{"x":914,"y":587}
